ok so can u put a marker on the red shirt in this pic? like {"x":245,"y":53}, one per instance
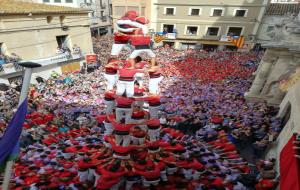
{"x":110,"y":95}
{"x":123,"y":101}
{"x":150,"y":175}
{"x":127,"y":73}
{"x":140,"y":40}
{"x":153,"y":122}
{"x":141,"y":64}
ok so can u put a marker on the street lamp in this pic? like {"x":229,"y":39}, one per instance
{"x":29,"y":66}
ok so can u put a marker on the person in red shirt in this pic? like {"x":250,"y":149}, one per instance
{"x":153,"y":129}
{"x":151,"y":175}
{"x":138,"y":135}
{"x":141,"y":42}
{"x":126,"y":27}
{"x":83,"y":166}
{"x":125,"y":84}
{"x":109,"y":100}
{"x":121,"y":132}
{"x":154,"y":106}
{"x":111,"y":73}
{"x":155,"y":78}
{"x":138,"y":116}
{"x":124,"y":106}
{"x":139,"y":65}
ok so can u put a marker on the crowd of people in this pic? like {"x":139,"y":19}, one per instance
{"x":211,"y":138}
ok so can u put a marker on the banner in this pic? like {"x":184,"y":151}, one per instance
{"x":289,"y":167}
{"x":90,"y":58}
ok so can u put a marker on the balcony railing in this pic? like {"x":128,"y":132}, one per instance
{"x":209,"y":37}
{"x":15,"y":67}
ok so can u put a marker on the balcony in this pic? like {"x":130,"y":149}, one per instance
{"x":209,"y":37}
{"x":10,"y":68}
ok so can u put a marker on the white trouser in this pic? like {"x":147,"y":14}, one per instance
{"x":153,"y":85}
{"x":137,"y":141}
{"x":111,"y":80}
{"x":139,"y":103}
{"x":138,"y":52}
{"x":188,"y":173}
{"x":163,"y":175}
{"x":108,"y":128}
{"x":91,"y":174}
{"x":153,"y":134}
{"x":127,"y":86}
{"x":110,"y":106}
{"x":97,"y":177}
{"x":106,"y":144}
{"x":196,"y":175}
{"x":116,"y":49}
{"x":67,"y":155}
{"x":121,"y":111}
{"x":83,"y":176}
{"x":138,"y":121}
{"x":121,"y":157}
{"x":139,"y":78}
{"x":171,"y":171}
{"x":154,"y":112}
{"x":147,"y":183}
{"x":129,"y":184}
{"x":124,"y":138}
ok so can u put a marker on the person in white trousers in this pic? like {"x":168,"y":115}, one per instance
{"x":125,"y":83}
{"x":111,"y":75}
{"x":155,"y":78}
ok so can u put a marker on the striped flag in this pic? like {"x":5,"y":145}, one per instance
{"x":158,"y":38}
{"x":9,"y":143}
{"x":238,"y":41}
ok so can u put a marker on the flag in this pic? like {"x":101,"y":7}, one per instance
{"x":158,"y":38}
{"x":238,"y":41}
{"x":9,"y":143}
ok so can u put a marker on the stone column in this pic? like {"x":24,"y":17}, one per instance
{"x":262,"y":74}
{"x":283,"y":65}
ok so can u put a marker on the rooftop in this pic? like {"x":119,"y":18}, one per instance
{"x":282,"y":9}
{"x":14,"y":7}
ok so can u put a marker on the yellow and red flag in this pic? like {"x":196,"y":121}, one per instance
{"x":158,"y":38}
{"x":238,"y":41}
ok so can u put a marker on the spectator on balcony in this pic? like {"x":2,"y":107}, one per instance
{"x":59,"y":50}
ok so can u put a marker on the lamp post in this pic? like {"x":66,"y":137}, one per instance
{"x":29,"y":66}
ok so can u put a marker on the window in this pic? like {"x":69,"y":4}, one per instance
{"x":235,"y":31}
{"x":168,"y":28}
{"x":119,"y":10}
{"x":69,"y":1}
{"x":191,"y":30}
{"x":217,"y":12}
{"x":57,"y":1}
{"x":169,"y":11}
{"x":194,"y":11}
{"x":46,"y":1}
{"x":240,"y":12}
{"x":62,"y":41}
{"x":270,"y":28}
{"x":212,"y":31}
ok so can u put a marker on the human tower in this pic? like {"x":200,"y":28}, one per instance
{"x":136,"y":153}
